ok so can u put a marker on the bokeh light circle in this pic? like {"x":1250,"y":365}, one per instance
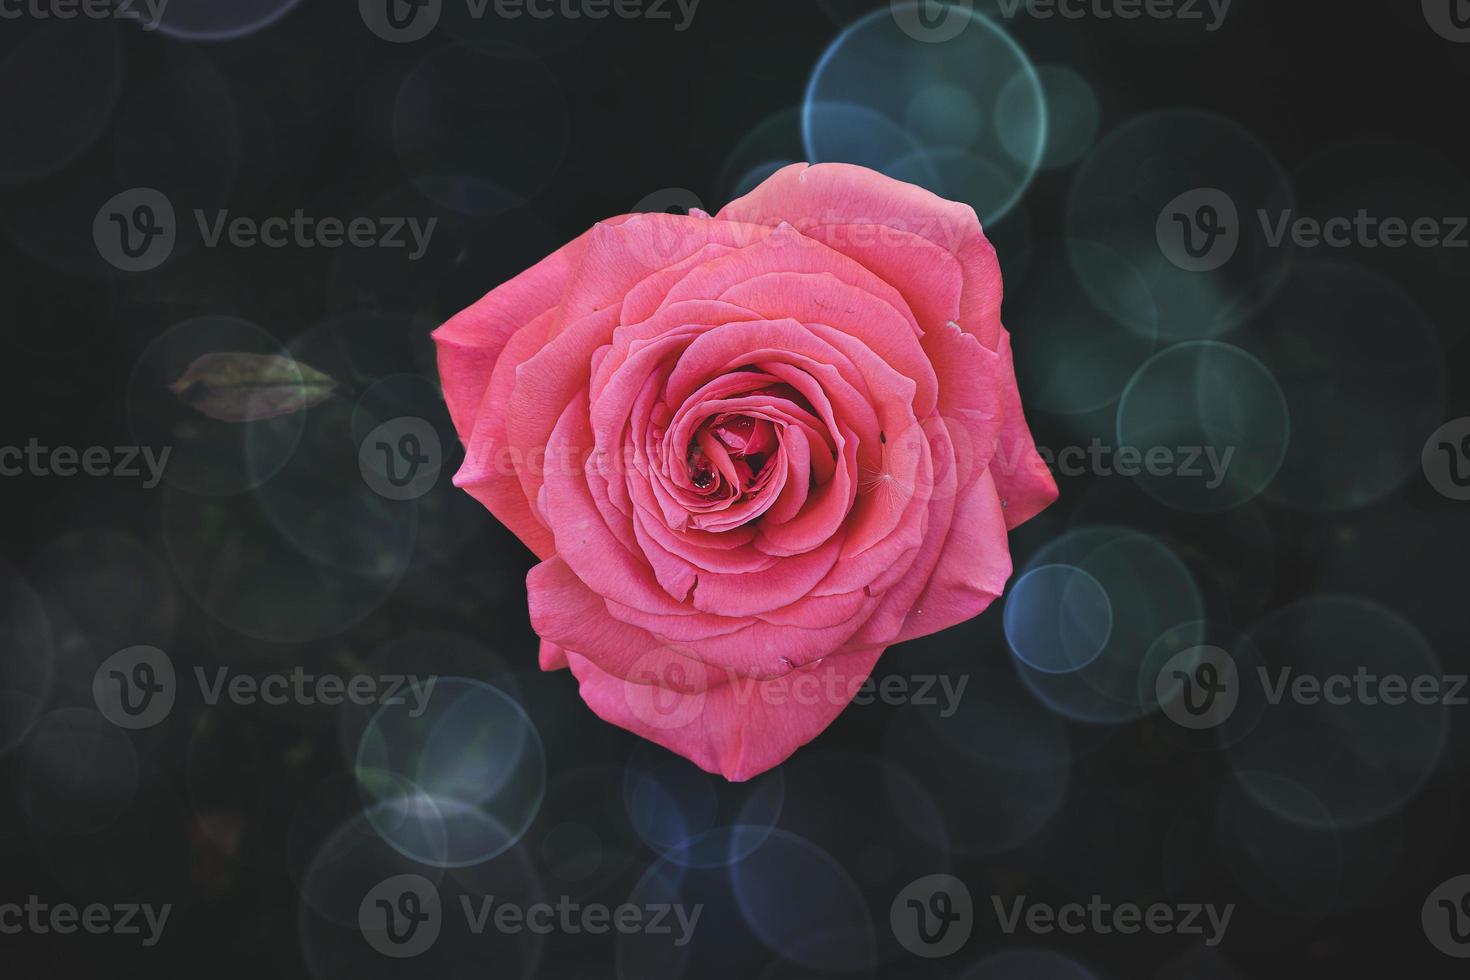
{"x":1381,"y":178}
{"x":480,"y":126}
{"x":695,"y":819}
{"x":1332,"y":725}
{"x":1071,"y":358}
{"x":81,"y":772}
{"x":78,"y":65}
{"x":112,"y":590}
{"x":804,"y":905}
{"x":769,"y":145}
{"x":1291,"y":869}
{"x":984,"y":779}
{"x":221,"y":20}
{"x":1073,"y":116}
{"x":874,"y":819}
{"x":27,"y":667}
{"x":1363,"y":373}
{"x":1027,"y":964}
{"x":1144,"y":171}
{"x":467,"y":768}
{"x":1150,"y":590}
{"x":256,"y":581}
{"x":355,"y":865}
{"x":965,"y":117}
{"x":1209,"y":424}
{"x":1057,"y":618}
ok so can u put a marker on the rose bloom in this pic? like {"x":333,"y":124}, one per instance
{"x":751,"y":451}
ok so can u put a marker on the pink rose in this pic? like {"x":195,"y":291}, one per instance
{"x":751,"y":451}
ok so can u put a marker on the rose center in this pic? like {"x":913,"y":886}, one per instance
{"x":731,"y":449}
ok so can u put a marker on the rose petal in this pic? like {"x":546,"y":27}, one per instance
{"x":838,"y":194}
{"x":740,"y":729}
{"x":471,"y":342}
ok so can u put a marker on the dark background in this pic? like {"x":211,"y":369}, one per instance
{"x":223,"y":810}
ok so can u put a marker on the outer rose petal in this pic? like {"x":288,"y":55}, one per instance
{"x":489,"y":472}
{"x":552,"y":657}
{"x":973,"y":566}
{"x":739,"y":729}
{"x":827,"y":194}
{"x":470,"y":344}
{"x":1022,"y":479}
